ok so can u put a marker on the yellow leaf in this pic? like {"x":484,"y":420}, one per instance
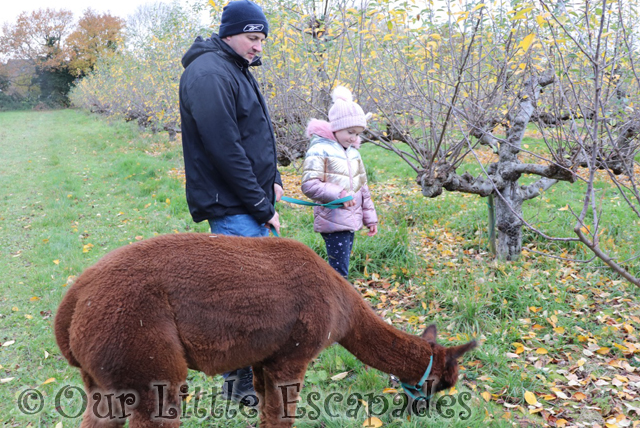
{"x":486,"y":395}
{"x":480,"y":6}
{"x":530,"y":398}
{"x":27,"y":316}
{"x":540,"y":20}
{"x":34,"y":299}
{"x":579,"y":396}
{"x":565,"y":208}
{"x":559,"y":330}
{"x":520,"y":15}
{"x":15,"y":309}
{"x":462,"y":17}
{"x":603,"y":350}
{"x":527,"y":41}
{"x":56,"y":262}
{"x":51,"y":379}
{"x":435,"y":36}
{"x":389,"y":391}
{"x":541,"y":351}
{"x":372,"y":422}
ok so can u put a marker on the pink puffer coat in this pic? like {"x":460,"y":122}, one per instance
{"x":328,"y":170}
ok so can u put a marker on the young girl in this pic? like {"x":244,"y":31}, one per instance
{"x":334,"y":169}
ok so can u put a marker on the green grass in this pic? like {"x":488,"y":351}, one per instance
{"x":73,"y":187}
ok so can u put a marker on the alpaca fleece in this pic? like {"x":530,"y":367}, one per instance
{"x":149,"y":311}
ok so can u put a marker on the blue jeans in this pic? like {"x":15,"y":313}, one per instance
{"x":339,"y":246}
{"x":238,"y":225}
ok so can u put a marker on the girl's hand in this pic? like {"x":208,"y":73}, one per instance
{"x":350,"y":203}
{"x":373,"y":229}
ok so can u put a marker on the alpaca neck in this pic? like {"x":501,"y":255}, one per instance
{"x":386,"y":348}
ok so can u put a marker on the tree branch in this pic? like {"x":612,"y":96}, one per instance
{"x":595,"y":248}
{"x":535,"y":189}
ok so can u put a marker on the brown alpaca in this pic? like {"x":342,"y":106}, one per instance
{"x":147,"y":312}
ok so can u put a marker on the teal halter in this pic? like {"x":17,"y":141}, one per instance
{"x":415,"y":391}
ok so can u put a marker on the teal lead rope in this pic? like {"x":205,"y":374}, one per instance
{"x":338,"y":203}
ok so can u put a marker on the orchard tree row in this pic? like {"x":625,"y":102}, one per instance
{"x":451,"y":85}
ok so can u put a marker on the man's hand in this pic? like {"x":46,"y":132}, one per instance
{"x":278,"y":190}
{"x":275,"y":222}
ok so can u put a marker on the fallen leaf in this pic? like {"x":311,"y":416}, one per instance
{"x":9,"y":343}
{"x":486,"y":395}
{"x":340,"y":376}
{"x":530,"y":398}
{"x":579,"y":396}
{"x":372,"y":422}
{"x":51,"y":379}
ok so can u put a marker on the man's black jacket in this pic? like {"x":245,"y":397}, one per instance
{"x":227,"y":136}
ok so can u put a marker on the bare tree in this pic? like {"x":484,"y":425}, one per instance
{"x":483,"y":77}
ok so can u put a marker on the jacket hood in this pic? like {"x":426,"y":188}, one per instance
{"x":215,"y":44}
{"x":322,"y":128}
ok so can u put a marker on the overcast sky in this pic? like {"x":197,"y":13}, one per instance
{"x":10,"y":9}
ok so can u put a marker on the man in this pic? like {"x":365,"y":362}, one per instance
{"x":228,"y":140}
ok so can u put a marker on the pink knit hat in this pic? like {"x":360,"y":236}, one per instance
{"x":345,"y":113}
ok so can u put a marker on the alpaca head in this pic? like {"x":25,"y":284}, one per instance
{"x":445,"y":364}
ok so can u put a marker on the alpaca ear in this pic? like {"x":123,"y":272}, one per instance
{"x":430,"y":333}
{"x":456,"y":352}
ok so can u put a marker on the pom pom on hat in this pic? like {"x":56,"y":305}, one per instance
{"x":242,"y":16}
{"x":345,"y":113}
{"x":342,"y":93}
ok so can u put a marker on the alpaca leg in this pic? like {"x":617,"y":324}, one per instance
{"x":282,"y":385}
{"x":159,"y":401}
{"x":97,"y":414}
{"x":258,"y":382}
{"x":158,"y":407}
{"x":258,"y":385}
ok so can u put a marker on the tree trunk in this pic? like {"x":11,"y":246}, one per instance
{"x":508,"y":214}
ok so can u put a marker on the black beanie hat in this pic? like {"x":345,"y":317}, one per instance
{"x":242,"y":16}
